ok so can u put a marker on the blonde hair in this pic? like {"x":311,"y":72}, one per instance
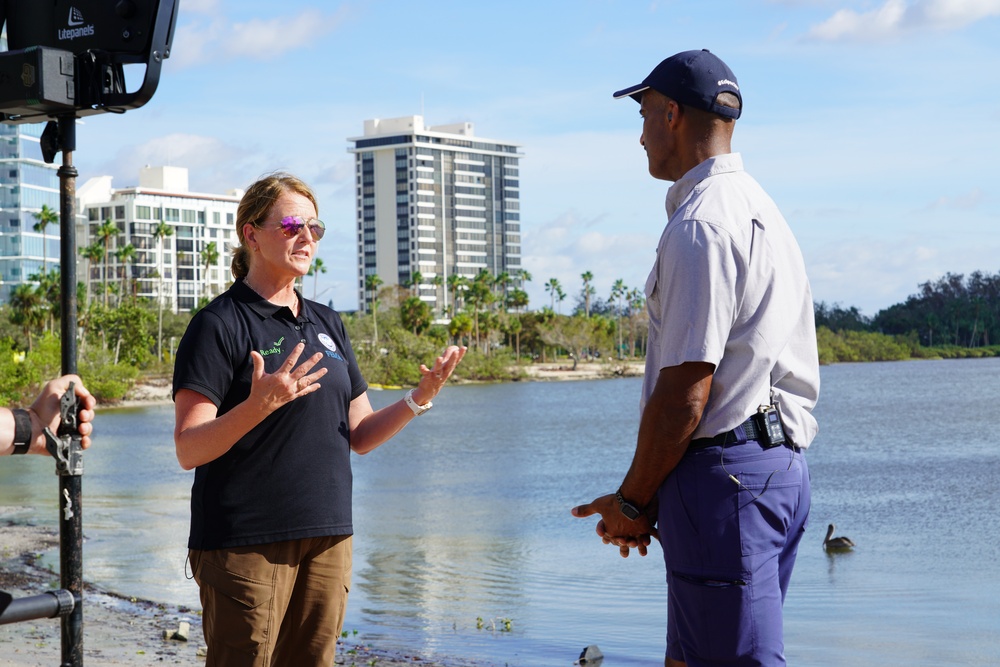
{"x":256,"y":205}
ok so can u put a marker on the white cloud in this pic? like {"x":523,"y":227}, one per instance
{"x":895,"y":17}
{"x":216,"y":38}
{"x":213,"y":165}
{"x":570,"y":245}
{"x":965,"y":202}
{"x":875,"y":273}
{"x":202,"y":7}
{"x":260,"y":38}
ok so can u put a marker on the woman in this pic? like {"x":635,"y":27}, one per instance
{"x":269,"y":404}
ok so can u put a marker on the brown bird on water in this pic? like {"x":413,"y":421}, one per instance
{"x":832,"y":543}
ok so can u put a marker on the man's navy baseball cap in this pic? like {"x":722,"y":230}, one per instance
{"x":692,"y":78}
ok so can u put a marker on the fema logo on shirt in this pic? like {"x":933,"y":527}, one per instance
{"x":330,"y":345}
{"x":327,"y":342}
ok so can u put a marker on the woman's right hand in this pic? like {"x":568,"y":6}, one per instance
{"x":287,"y":383}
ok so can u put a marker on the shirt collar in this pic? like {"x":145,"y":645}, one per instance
{"x":717,"y":164}
{"x":264,"y":308}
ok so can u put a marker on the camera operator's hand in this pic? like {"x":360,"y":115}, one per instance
{"x":45,"y":412}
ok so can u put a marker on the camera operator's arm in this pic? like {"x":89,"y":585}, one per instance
{"x":21,"y":430}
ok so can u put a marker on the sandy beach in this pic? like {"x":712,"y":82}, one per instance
{"x":117,"y":630}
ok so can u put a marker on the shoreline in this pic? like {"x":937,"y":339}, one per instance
{"x":150,"y":391}
{"x":119,"y":630}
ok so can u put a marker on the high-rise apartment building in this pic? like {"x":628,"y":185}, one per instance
{"x":175,"y":269}
{"x":434,"y":202}
{"x":26,"y":184}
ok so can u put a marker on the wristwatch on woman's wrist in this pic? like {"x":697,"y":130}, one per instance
{"x":416,"y":407}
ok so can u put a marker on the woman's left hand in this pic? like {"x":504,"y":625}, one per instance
{"x":434,"y":378}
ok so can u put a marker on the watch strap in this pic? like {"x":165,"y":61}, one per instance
{"x":416,"y":407}
{"x":22,"y":431}
{"x":630,"y":511}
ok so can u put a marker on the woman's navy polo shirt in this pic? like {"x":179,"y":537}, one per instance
{"x":289,"y":477}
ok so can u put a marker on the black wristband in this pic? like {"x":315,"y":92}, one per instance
{"x":22,"y":431}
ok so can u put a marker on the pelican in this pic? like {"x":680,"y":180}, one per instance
{"x":832,"y":543}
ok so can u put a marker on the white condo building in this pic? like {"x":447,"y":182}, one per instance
{"x":174,"y":269}
{"x":435,"y":201}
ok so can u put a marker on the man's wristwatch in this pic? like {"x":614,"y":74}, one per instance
{"x":416,"y":407}
{"x":630,"y":511}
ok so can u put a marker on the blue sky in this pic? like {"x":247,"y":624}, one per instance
{"x":874,"y":124}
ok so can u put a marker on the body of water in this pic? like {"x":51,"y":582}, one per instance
{"x":465,"y":516}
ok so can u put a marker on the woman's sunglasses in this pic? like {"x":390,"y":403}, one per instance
{"x":291,"y":225}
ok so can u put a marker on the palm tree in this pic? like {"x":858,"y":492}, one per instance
{"x":124,"y":255}
{"x":588,"y":291}
{"x":315,"y":269}
{"x":618,"y":291}
{"x":209,"y":256}
{"x":460,"y":325}
{"x":514,"y":326}
{"x":503,"y":281}
{"x":44,"y":218}
{"x":553,"y":287}
{"x":372,"y":283}
{"x":415,"y":279}
{"x":415,"y":314}
{"x":456,"y":284}
{"x":92,"y":253}
{"x":27,"y":309}
{"x":479,"y":295}
{"x":48,"y":292}
{"x":437,"y":281}
{"x":522,"y":277}
{"x":105,"y":231}
{"x":636,"y":301}
{"x":160,"y":232}
{"x":517,"y":299}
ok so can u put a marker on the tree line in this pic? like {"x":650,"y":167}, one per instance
{"x":955,"y":315}
{"x":123,"y":336}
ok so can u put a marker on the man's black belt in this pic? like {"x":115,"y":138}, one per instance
{"x":750,"y":430}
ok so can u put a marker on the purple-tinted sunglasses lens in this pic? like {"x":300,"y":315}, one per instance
{"x":291,"y":225}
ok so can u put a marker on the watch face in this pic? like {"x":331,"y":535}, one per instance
{"x":628,"y":509}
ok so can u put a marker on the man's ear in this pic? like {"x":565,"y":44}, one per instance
{"x":672,"y":107}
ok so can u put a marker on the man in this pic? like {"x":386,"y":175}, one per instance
{"x":22,"y":430}
{"x":731,"y":378}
